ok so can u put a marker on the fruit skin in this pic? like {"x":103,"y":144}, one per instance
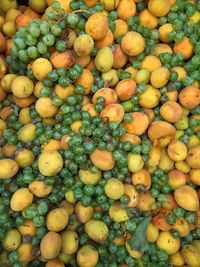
{"x":118,"y":214}
{"x":168,"y":243}
{"x":100,"y":62}
{"x":159,"y":8}
{"x":114,"y":188}
{"x":50,"y":245}
{"x":152,"y":233}
{"x":38,"y":5}
{"x":87,"y":252}
{"x":193,"y":157}
{"x":39,"y":188}
{"x":133,"y":43}
{"x":21,"y":199}
{"x":83,"y":45}
{"x":5,"y":5}
{"x":97,"y":26}
{"x":50,"y":163}
{"x":69,"y":242}
{"x":41,"y":68}
{"x":8,"y":168}
{"x":12,"y":240}
{"x":84,"y":214}
{"x":191,"y":255}
{"x":97,"y":230}
{"x":102,"y":159}
{"x":57,"y":219}
{"x":187,"y":198}
{"x":25,"y":253}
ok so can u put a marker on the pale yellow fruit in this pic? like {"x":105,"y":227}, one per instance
{"x":12,"y":240}
{"x":50,"y":163}
{"x":97,"y":230}
{"x":168,"y":243}
{"x":114,"y":188}
{"x":22,"y":86}
{"x":100,"y":62}
{"x":41,"y":67}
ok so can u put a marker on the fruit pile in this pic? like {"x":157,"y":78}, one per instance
{"x":100,"y":133}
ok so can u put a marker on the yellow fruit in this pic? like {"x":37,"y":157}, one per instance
{"x":114,"y":188}
{"x":27,"y":133}
{"x":69,"y":242}
{"x":24,"y":158}
{"x":133,"y":43}
{"x":38,"y":5}
{"x":5,"y":5}
{"x":87,"y":256}
{"x":8,"y":168}
{"x":159,"y":8}
{"x":41,"y":68}
{"x":96,"y":230}
{"x":39,"y":188}
{"x":187,"y":198}
{"x":21,"y":199}
{"x":100,"y":62}
{"x":57,"y":219}
{"x":118,"y":214}
{"x":88,"y":177}
{"x":50,"y":245}
{"x":22,"y":86}
{"x":168,"y":243}
{"x":191,"y":255}
{"x":135,"y":162}
{"x":152,"y":233}
{"x":50,"y":163}
{"x":12,"y":240}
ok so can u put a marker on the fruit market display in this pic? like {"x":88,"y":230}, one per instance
{"x":100,"y":133}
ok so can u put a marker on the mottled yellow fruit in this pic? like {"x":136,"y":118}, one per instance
{"x":41,"y":67}
{"x":191,"y":255}
{"x":100,"y":62}
{"x":69,"y":242}
{"x":187,"y":198}
{"x":159,"y":8}
{"x":133,"y":43}
{"x":38,"y":5}
{"x":57,"y":219}
{"x":88,"y":177}
{"x":22,"y":86}
{"x":50,"y":163}
{"x":96,"y":230}
{"x":176,"y":259}
{"x":118,"y":214}
{"x":150,"y":98}
{"x":152,"y":233}
{"x":87,"y":256}
{"x":168,"y":243}
{"x":39,"y":188}
{"x":135,"y":162}
{"x":84,"y":214}
{"x":27,"y":133}
{"x":83,"y":45}
{"x":25,"y":253}
{"x":114,"y":188}
{"x":21,"y":199}
{"x":8,"y":168}
{"x":12,"y":240}
{"x":24,"y":158}
{"x":50,"y":245}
